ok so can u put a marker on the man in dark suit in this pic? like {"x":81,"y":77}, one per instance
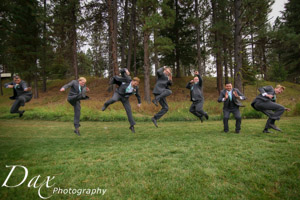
{"x":195,"y":87}
{"x":161,"y":91}
{"x":126,"y":88}
{"x":231,"y":98}
{"x":22,"y":94}
{"x":77,"y":92}
{"x":265,"y":102}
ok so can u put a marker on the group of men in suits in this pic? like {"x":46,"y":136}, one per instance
{"x":231,"y":97}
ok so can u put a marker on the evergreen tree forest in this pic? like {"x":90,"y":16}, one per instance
{"x":233,"y":40}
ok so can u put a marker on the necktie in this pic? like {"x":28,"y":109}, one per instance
{"x":128,"y":88}
{"x":79,"y":89}
{"x":274,"y":97}
{"x":192,"y":87}
{"x":230,"y":95}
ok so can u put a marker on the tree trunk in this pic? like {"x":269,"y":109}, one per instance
{"x":124,"y":34}
{"x":156,"y":61}
{"x":225,"y":58}
{"x":44,"y":50}
{"x":134,"y":41}
{"x":230,"y":62}
{"x":1,"y":90}
{"x":177,"y":53}
{"x":237,"y":45}
{"x":112,"y":15}
{"x":146,"y":68}
{"x":204,"y":48}
{"x":130,"y":34}
{"x":74,"y":40}
{"x":264,"y":60}
{"x":200,"y":68}
{"x":217,"y":49}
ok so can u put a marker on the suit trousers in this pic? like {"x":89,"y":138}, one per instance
{"x":20,"y":101}
{"x":237,"y":115}
{"x":75,"y":102}
{"x":197,"y":108}
{"x":271,"y":109}
{"x":125,"y":101}
{"x":162,"y":95}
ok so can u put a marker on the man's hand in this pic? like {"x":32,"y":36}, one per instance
{"x":27,"y":89}
{"x":170,"y":77}
{"x":139,"y":105}
{"x":287,"y":109}
{"x":87,"y":89}
{"x":192,"y":81}
{"x":127,"y":72}
{"x":236,"y":94}
{"x":196,"y":73}
{"x":62,"y":89}
{"x":270,"y":96}
{"x":10,"y":86}
{"x":226,"y":95}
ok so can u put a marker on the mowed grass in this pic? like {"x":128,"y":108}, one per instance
{"x":178,"y":160}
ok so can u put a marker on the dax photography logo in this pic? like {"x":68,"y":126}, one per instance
{"x":37,"y":183}
{"x":32,"y":183}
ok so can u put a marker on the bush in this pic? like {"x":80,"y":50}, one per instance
{"x":252,"y":114}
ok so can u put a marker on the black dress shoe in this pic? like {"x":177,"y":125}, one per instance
{"x":132,"y":129}
{"x":154,"y":122}
{"x":274,"y":127}
{"x":206,"y":116}
{"x":237,"y":131}
{"x":267,"y":131}
{"x":77,"y":131}
{"x":155,"y":102}
{"x":103,"y":108}
{"x":21,"y":112}
{"x":225,"y":131}
{"x":201,"y":119}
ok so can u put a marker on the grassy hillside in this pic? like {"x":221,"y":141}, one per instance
{"x":178,"y":160}
{"x":52,"y":105}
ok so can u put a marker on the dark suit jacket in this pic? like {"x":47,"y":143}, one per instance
{"x":118,"y":80}
{"x":235,"y":100}
{"x":122,"y":91}
{"x":19,"y":89}
{"x":196,"y":93}
{"x":162,"y":82}
{"x":74,"y":91}
{"x":260,"y":97}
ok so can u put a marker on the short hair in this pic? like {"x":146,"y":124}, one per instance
{"x":16,"y":77}
{"x":82,"y":79}
{"x":136,"y":79}
{"x":228,"y":83}
{"x":280,"y":86}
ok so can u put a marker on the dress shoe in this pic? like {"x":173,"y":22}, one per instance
{"x":206,"y":116}
{"x":267,"y":131}
{"x":225,"y":131}
{"x":155,"y":102}
{"x":201,"y":119}
{"x":77,"y":131}
{"x":21,"y":112}
{"x":274,"y":127}
{"x":154,"y":121}
{"x":103,"y":108}
{"x":237,"y":131}
{"x":132,"y":129}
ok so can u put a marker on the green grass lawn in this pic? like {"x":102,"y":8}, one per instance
{"x":178,"y":160}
